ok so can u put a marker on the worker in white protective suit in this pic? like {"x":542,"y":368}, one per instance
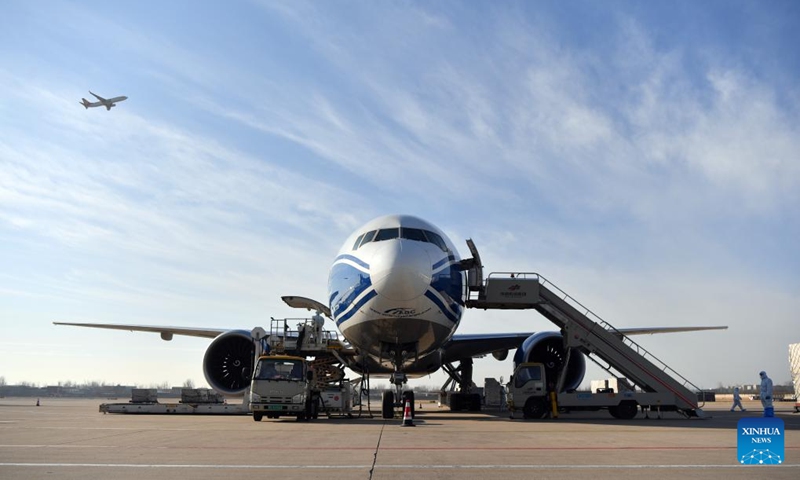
{"x":766,"y":394}
{"x":737,"y":400}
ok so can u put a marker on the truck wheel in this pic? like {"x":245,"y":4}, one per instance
{"x":535,"y":407}
{"x":625,"y":410}
{"x":257,"y":416}
{"x":387,"y":408}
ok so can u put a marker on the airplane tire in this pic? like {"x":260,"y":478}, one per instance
{"x":387,"y":407}
{"x":257,"y":416}
{"x":474,"y":402}
{"x":456,"y":402}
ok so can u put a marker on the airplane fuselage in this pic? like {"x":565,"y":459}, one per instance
{"x":102,"y":102}
{"x":396,"y":292}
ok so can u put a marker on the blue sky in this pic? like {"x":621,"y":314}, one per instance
{"x":643,"y":156}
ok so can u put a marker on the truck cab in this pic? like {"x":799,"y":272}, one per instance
{"x":281,"y":386}
{"x":527,"y":391}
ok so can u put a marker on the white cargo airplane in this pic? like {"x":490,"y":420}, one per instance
{"x":396,"y":291}
{"x":108,"y":103}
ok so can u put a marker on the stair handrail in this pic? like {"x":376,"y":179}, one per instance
{"x":608,"y":327}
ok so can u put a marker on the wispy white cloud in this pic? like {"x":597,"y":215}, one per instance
{"x":555,"y":116}
{"x":222,"y":182}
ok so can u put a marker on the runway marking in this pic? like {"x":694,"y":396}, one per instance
{"x":59,"y":446}
{"x":391,"y":467}
{"x":327,"y":448}
{"x":381,"y":449}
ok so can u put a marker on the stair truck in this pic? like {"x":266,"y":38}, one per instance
{"x":530,"y":393}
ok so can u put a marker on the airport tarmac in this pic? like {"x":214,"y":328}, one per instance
{"x":70,"y":439}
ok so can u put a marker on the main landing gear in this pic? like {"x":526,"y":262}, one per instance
{"x":464,"y":398}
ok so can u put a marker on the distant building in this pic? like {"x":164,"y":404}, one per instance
{"x":794,"y":367}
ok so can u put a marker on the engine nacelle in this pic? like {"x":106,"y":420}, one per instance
{"x":228,"y":362}
{"x":500,"y":354}
{"x":548,"y":348}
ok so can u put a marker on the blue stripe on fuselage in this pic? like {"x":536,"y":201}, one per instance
{"x":347,"y":283}
{"x":353,"y":259}
{"x":442,"y":262}
{"x":441,"y":306}
{"x":352,"y":310}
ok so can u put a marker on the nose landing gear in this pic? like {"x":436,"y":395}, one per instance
{"x":398,"y":397}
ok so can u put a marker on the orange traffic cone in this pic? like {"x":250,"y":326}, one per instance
{"x":407,"y":420}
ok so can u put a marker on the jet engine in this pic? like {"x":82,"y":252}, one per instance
{"x":228,"y":362}
{"x":500,"y":354}
{"x":548,"y":348}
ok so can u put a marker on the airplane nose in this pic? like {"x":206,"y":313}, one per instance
{"x":400,"y":271}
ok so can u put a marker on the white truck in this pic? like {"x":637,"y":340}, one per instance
{"x":286,"y":385}
{"x":282,"y":385}
{"x":527,"y":392}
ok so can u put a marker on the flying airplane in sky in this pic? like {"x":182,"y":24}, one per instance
{"x":108,"y":103}
{"x":397,"y":291}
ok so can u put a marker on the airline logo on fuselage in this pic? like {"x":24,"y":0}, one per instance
{"x":400,"y":312}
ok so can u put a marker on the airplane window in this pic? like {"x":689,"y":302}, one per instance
{"x":387,"y":234}
{"x":413,"y":234}
{"x":367,"y":238}
{"x":358,"y":241}
{"x":436,"y":240}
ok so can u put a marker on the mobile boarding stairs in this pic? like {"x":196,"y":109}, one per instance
{"x":659,"y":387}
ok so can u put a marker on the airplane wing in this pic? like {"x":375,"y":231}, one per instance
{"x":476,"y":345}
{"x":166,"y":332}
{"x":98,"y":96}
{"x":459,"y":347}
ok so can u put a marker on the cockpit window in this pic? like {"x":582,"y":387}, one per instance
{"x":358,"y":241}
{"x":367,"y":237}
{"x":387,"y":234}
{"x":413,"y":234}
{"x":437,"y":240}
